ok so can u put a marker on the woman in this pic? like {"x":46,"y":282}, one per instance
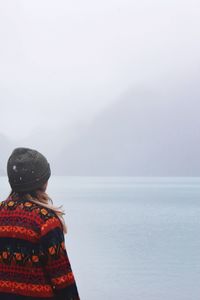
{"x":33,"y":259}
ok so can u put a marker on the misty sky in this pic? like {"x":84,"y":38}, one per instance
{"x":63,"y":61}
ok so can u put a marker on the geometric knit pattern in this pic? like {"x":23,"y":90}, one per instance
{"x":34,"y":263}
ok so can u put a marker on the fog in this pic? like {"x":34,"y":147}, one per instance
{"x":63,"y":64}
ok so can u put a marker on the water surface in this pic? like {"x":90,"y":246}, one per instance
{"x":131,"y":238}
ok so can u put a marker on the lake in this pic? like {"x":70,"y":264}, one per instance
{"x":131,"y":238}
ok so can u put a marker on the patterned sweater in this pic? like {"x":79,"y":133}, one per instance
{"x":33,"y":259}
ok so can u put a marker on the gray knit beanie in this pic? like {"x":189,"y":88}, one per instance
{"x":27,"y":170}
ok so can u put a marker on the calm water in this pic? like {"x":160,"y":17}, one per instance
{"x":131,"y":238}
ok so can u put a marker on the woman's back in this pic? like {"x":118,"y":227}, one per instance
{"x":33,"y":260}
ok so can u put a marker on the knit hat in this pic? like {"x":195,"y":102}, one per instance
{"x":27,"y":169}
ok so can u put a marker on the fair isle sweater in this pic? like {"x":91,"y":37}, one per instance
{"x":34,"y":263}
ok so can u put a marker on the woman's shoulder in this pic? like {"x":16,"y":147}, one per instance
{"x":47,"y":216}
{"x":29,"y":206}
{"x":45,"y":212}
{"x":49,"y":220}
{"x":42,"y":214}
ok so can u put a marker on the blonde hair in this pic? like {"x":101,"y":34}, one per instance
{"x":42,"y":198}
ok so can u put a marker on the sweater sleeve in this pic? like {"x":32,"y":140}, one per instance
{"x":55,"y":260}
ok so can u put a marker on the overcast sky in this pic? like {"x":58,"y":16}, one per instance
{"x":63,"y":61}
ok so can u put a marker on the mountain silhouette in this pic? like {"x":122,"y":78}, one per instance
{"x":144,"y":133}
